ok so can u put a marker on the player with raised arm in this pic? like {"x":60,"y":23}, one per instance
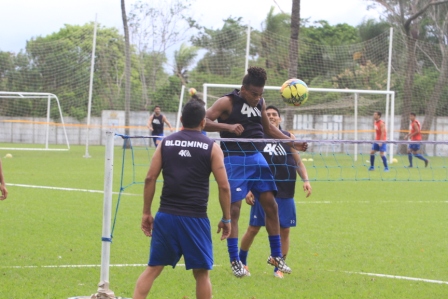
{"x":380,"y":135}
{"x":415,"y":135}
{"x":242,"y":114}
{"x":156,"y":123}
{"x":284,"y":162}
{"x":181,"y":226}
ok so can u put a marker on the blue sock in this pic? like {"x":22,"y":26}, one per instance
{"x":232,"y":248}
{"x":276,"y":245}
{"x":384,"y":161}
{"x":372,"y":160}
{"x":419,"y":156}
{"x":243,"y":256}
{"x":410,"y":159}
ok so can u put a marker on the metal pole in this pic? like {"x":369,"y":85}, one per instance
{"x":48,"y":122}
{"x":179,"y":111}
{"x":356,"y":127}
{"x":389,"y":68}
{"x":89,"y":107}
{"x":107,"y":208}
{"x":246,"y":66}
{"x":392,"y":119}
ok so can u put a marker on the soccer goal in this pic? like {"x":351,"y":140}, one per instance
{"x":30,"y":118}
{"x":329,"y":114}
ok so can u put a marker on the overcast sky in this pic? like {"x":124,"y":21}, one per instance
{"x":20,"y":20}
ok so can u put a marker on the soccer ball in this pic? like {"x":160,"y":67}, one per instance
{"x":192,"y":91}
{"x":294,"y":92}
{"x":394,"y":160}
{"x":8,"y":156}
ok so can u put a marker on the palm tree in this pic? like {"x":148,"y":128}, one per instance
{"x":184,"y":58}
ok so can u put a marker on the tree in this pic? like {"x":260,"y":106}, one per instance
{"x":155,"y":28}
{"x":183,"y":59}
{"x":439,"y":28}
{"x":127,"y":69}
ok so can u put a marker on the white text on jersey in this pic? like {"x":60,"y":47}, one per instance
{"x":186,"y":143}
{"x":250,"y":111}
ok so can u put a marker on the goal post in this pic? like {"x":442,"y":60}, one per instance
{"x":388,"y":115}
{"x":14,"y":115}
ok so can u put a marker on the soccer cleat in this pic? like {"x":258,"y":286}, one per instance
{"x":278,"y":274}
{"x":386,"y":169}
{"x":238,"y":269}
{"x":279,"y":262}
{"x":426,"y":163}
{"x":247,"y":270}
{"x":371,"y":168}
{"x":410,"y":166}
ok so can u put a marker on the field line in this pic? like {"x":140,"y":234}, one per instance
{"x":398,"y":277}
{"x":368,"y":201}
{"x":82,"y":266}
{"x":66,"y":189}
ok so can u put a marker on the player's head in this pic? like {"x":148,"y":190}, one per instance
{"x":376,"y":115}
{"x":274,"y":115}
{"x":193,"y":115}
{"x":156,"y":109}
{"x":412,"y":116}
{"x":253,"y":85}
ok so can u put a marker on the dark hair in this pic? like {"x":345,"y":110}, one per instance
{"x":156,"y":106}
{"x":379,"y":113}
{"x":273,"y":107}
{"x":192,"y":114}
{"x":413,"y":114}
{"x":197,"y":99}
{"x":256,"y":76}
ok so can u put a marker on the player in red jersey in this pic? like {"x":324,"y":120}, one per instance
{"x":380,"y":135}
{"x":415,"y":135}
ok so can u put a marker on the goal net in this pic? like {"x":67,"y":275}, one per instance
{"x":328,"y":115}
{"x":32,"y":118}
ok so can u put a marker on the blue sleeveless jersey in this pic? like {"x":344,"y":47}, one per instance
{"x":250,"y":118}
{"x":283,"y":166}
{"x":186,"y":168}
{"x":157,"y":124}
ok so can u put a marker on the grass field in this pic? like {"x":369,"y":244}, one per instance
{"x":354,"y":239}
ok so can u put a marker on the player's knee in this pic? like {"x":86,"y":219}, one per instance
{"x":253,"y":230}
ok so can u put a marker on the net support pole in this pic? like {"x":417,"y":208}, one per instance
{"x":355,"y":154}
{"x":107,"y":211}
{"x":179,"y":110}
{"x":246,"y":65}
{"x":47,"y":134}
{"x":89,"y":105}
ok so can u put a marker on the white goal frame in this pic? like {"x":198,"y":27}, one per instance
{"x":39,"y":95}
{"x":389,"y":115}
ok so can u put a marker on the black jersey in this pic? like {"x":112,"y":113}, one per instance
{"x":186,"y":168}
{"x":250,"y":118}
{"x":157,"y":124}
{"x":283,"y":166}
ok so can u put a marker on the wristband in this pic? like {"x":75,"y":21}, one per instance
{"x":225,"y":221}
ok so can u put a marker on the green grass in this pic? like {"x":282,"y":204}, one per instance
{"x":346,"y":227}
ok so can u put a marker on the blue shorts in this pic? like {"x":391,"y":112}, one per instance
{"x":376,"y":147}
{"x":248,"y":173}
{"x":286,"y":213}
{"x":174,"y":236}
{"x":157,"y":138}
{"x":414,"y":147}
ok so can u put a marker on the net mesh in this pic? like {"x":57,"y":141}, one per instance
{"x":60,"y":64}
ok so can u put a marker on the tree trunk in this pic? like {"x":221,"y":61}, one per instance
{"x":433,"y":101}
{"x":293,"y":55}
{"x":407,"y":93}
{"x":127,"y":70}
